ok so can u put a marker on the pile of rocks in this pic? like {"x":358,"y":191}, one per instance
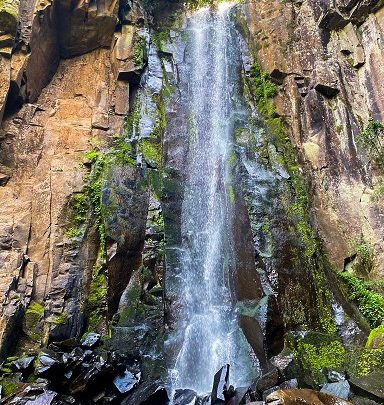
{"x":71,"y":372}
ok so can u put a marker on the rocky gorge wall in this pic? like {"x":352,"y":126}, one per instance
{"x":84,"y":212}
{"x":327,"y":58}
{"x":63,"y":93}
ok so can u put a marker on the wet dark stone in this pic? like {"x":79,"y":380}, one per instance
{"x":340,"y":389}
{"x":205,"y":400}
{"x":241,"y":396}
{"x":65,"y":400}
{"x":357,"y":400}
{"x":289,"y":385}
{"x":24,"y":364}
{"x":49,"y":364}
{"x":46,"y":398}
{"x":184,"y":397}
{"x":91,"y":340}
{"x":92,"y":379}
{"x":267,"y":380}
{"x":269,"y":391}
{"x":65,"y":345}
{"x":370,"y":385}
{"x":285,"y":365}
{"x":76,"y":353}
{"x":126,"y":382}
{"x":149,"y":393}
{"x":220,"y":384}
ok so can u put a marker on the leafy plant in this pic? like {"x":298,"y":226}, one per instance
{"x":365,"y":258}
{"x":370,"y":304}
{"x":371,"y":139}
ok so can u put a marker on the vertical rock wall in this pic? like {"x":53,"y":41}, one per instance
{"x":63,"y":95}
{"x":327,"y":57}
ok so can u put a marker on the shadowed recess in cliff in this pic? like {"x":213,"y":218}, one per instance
{"x":207,"y":333}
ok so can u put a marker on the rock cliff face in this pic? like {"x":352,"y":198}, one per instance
{"x":85,"y":214}
{"x":61,"y":94}
{"x":327,"y":58}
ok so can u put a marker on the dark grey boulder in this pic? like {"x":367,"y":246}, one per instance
{"x":220,"y":386}
{"x":24,"y":364}
{"x":125,"y":382}
{"x":184,"y":397}
{"x":371,"y":385}
{"x":149,"y":393}
{"x":91,"y":340}
{"x":267,"y":380}
{"x":49,"y":364}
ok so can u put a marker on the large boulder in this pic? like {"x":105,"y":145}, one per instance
{"x":304,"y":397}
{"x":370,"y":385}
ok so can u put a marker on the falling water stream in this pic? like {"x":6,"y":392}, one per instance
{"x":208,"y":329}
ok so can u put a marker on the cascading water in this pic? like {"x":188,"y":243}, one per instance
{"x":208,"y":332}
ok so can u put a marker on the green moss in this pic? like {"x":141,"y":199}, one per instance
{"x":92,"y":156}
{"x":378,"y":194}
{"x":35,"y":308}
{"x":9,"y":16}
{"x":376,"y":337}
{"x":370,"y":360}
{"x":370,"y":304}
{"x":151,"y":151}
{"x":232,"y":194}
{"x":96,"y":305}
{"x":9,"y":387}
{"x":365,"y":261}
{"x":158,"y":222}
{"x":294,"y":199}
{"x":139,"y":50}
{"x":318,"y":351}
{"x":58,"y":319}
{"x":33,"y":314}
{"x":371,"y":139}
{"x":79,"y":205}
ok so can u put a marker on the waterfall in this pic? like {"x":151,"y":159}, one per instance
{"x":208,"y":330}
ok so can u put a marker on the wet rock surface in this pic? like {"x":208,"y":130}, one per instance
{"x":74,"y":375}
{"x":371,"y":385}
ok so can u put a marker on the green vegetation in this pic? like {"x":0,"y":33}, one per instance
{"x":370,"y":304}
{"x":139,"y":50}
{"x":295,"y":198}
{"x":376,"y":337}
{"x":79,"y":204}
{"x":370,"y":360}
{"x":297,"y":205}
{"x":264,"y":91}
{"x":316,"y":351}
{"x":9,"y":387}
{"x":371,"y":139}
{"x":33,"y":314}
{"x":151,"y":151}
{"x":378,"y":194}
{"x":365,"y":261}
{"x":96,"y":305}
{"x":58,"y":319}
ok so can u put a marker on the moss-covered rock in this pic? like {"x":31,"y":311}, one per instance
{"x":33,"y":320}
{"x":9,"y":15}
{"x":317,"y":352}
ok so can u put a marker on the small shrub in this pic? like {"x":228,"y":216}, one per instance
{"x":371,"y":139}
{"x":370,"y":304}
{"x":365,"y":261}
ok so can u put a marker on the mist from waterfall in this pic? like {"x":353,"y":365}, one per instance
{"x":208,"y":330}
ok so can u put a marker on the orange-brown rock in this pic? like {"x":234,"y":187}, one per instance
{"x":55,"y":110}
{"x":303,"y":397}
